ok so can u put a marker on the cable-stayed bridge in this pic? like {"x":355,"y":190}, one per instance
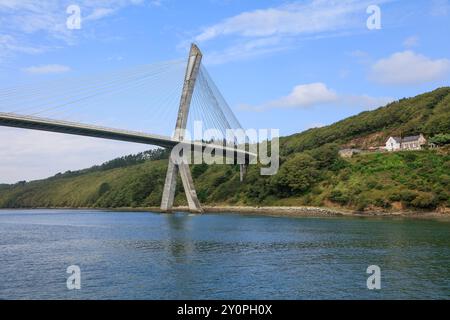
{"x":157,"y":87}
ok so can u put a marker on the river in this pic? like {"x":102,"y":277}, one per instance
{"x":136,"y":255}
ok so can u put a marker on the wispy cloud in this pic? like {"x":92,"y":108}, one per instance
{"x":285,"y":23}
{"x":318,"y":94}
{"x":247,"y":49}
{"x":409,"y":68}
{"x":47,"y":69}
{"x":21,"y":20}
{"x":291,"y":19}
{"x":440,"y":8}
{"x":156,"y":3}
{"x":10,"y":45}
{"x":410,"y":42}
{"x":99,"y":13}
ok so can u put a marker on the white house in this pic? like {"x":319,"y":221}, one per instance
{"x":393,"y":144}
{"x":407,"y":143}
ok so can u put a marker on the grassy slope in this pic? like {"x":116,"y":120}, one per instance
{"x":311,"y":173}
{"x":428,"y":113}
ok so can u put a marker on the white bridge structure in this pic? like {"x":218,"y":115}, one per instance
{"x":213,"y":108}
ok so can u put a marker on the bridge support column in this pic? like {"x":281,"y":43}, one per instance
{"x":242,"y":171}
{"x":189,"y":188}
{"x":171,"y":185}
{"x":193,"y":67}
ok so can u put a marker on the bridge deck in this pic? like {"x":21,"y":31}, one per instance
{"x":43,"y":124}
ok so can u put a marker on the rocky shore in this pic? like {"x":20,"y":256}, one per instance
{"x":281,"y":211}
{"x":278,"y":211}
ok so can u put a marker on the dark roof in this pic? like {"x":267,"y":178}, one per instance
{"x":412,"y":138}
{"x":406,"y":139}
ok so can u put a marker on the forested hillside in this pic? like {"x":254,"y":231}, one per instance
{"x":311,"y":171}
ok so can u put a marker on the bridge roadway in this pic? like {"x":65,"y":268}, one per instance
{"x":43,"y":124}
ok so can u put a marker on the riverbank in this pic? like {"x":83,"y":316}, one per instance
{"x":298,"y":211}
{"x":276,"y":211}
{"x":319,"y":212}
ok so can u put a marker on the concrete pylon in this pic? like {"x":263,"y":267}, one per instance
{"x":193,"y":67}
{"x":242,"y":171}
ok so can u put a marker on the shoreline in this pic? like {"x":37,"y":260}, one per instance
{"x":274,"y":211}
{"x":305,"y":211}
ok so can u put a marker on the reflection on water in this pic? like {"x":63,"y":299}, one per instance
{"x":180,"y":244}
{"x":181,"y":256}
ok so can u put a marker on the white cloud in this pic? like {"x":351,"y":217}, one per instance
{"x":292,"y":19}
{"x":156,"y":3}
{"x":286,"y":23}
{"x":29,"y":155}
{"x":46,"y":69}
{"x":20,"y":20}
{"x":9,"y":45}
{"x":25,"y":17}
{"x":99,"y":13}
{"x":245,"y":50}
{"x":408,"y":68}
{"x":305,"y":95}
{"x":315,"y":94}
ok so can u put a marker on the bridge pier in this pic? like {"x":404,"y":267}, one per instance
{"x":192,"y":69}
{"x":242,"y":171}
{"x":171,"y":185}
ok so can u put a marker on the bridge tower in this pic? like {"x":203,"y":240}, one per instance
{"x":192,"y":70}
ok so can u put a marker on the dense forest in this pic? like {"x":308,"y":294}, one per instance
{"x":311,"y":170}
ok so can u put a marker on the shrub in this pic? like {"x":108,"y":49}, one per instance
{"x":103,"y":188}
{"x":361,"y":203}
{"x":198,"y":170}
{"x":326,"y":156}
{"x":372,"y":184}
{"x":382,"y":203}
{"x":441,"y":139}
{"x":409,"y":156}
{"x":141,"y":188}
{"x":339,"y":197}
{"x":444,"y":179}
{"x":395,"y":196}
{"x":424,"y":201}
{"x":220,"y":180}
{"x":407,"y":195}
{"x":259,"y":189}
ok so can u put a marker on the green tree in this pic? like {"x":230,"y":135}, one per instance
{"x":104,"y":188}
{"x":296,"y":175}
{"x":441,"y":139}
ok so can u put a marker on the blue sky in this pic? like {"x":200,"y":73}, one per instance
{"x":290,"y":65}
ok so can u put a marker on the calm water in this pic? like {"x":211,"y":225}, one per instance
{"x":180,"y":256}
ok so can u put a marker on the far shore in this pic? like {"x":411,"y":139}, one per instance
{"x":276,"y":211}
